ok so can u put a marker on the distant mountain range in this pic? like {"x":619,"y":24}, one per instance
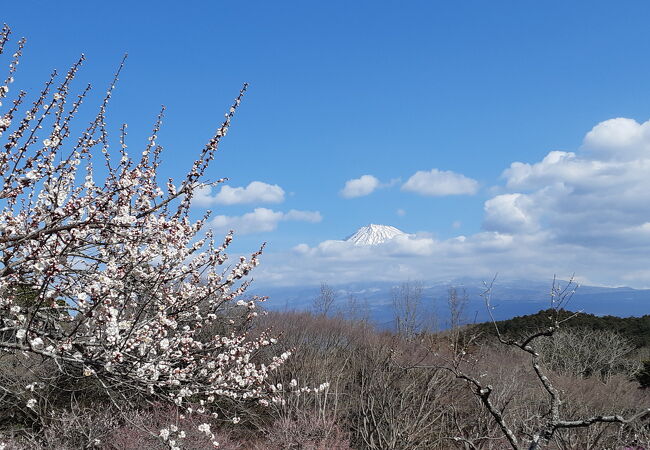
{"x":510,"y":298}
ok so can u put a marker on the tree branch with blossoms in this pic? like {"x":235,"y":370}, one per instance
{"x":110,"y":279}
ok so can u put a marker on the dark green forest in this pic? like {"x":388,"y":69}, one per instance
{"x":634,"y":329}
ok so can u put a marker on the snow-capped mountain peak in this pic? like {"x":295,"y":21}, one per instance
{"x":374,"y":234}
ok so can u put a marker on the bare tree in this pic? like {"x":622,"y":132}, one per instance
{"x":325,"y":299}
{"x":407,"y":308}
{"x":357,"y":309}
{"x":544,"y":420}
{"x":456,"y":303}
{"x":550,"y":421}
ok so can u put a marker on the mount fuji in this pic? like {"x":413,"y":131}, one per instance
{"x":374,"y":234}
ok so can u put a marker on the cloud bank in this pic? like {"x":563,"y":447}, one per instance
{"x":585,"y":211}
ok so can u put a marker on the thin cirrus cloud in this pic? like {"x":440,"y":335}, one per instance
{"x":439,"y":183}
{"x":359,"y":187}
{"x":261,"y":220}
{"x":255,"y":192}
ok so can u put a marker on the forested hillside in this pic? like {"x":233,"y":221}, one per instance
{"x":634,"y":329}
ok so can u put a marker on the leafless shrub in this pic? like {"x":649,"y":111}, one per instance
{"x":396,"y":407}
{"x":75,"y":427}
{"x":307,"y":432}
{"x":328,"y":347}
{"x":586,"y":353}
{"x":584,"y":397}
{"x":142,"y":428}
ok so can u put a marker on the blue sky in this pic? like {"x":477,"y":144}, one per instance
{"x":456,"y":90}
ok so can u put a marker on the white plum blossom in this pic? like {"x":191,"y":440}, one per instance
{"x":204,"y":428}
{"x":112,"y":278}
{"x":37,"y":343}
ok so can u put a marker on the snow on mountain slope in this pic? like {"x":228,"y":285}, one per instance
{"x":374,"y":234}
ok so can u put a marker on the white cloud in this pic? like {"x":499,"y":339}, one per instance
{"x":400,"y":246}
{"x":359,"y":187}
{"x":438,"y":183}
{"x":509,"y":213}
{"x":407,"y":245}
{"x":526,"y":256}
{"x":620,"y":138}
{"x":595,"y":197}
{"x":585,"y":212}
{"x":412,"y":256}
{"x":261,"y":219}
{"x":255,"y":192}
